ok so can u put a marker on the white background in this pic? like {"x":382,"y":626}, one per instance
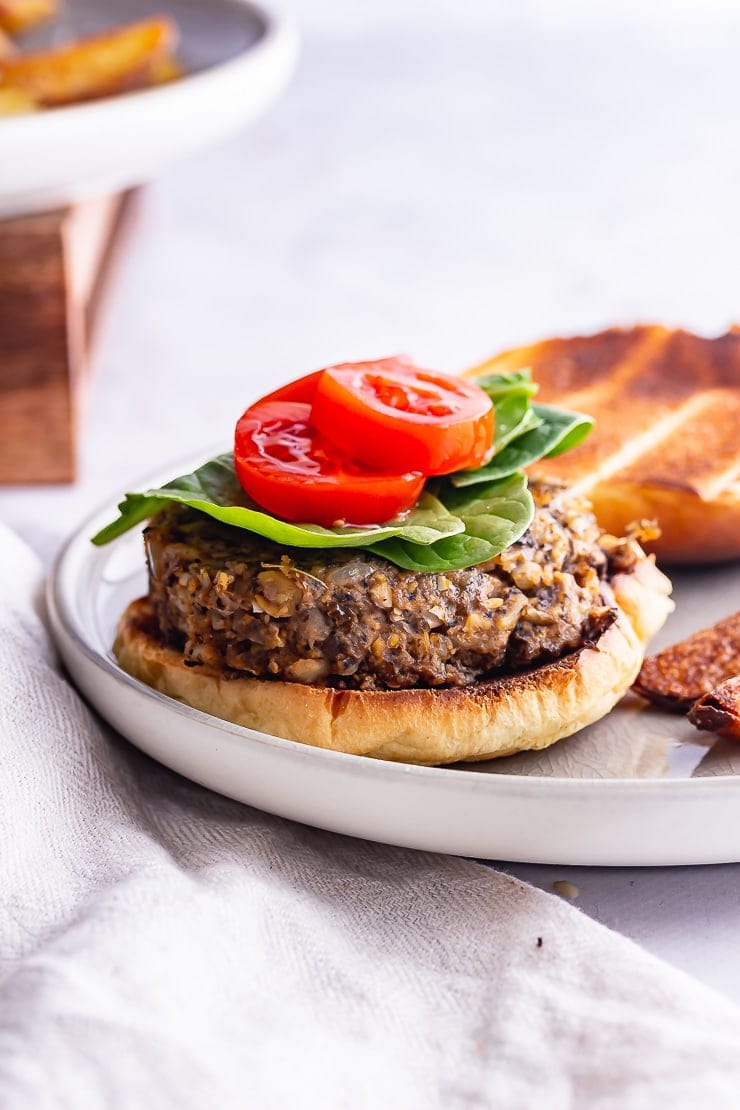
{"x":445,"y":180}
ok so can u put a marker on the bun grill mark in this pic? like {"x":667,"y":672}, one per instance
{"x":666,"y":443}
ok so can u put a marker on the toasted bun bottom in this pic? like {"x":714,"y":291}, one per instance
{"x":528,"y":710}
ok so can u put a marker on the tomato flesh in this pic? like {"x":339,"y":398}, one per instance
{"x":293,"y":471}
{"x":391,"y":414}
{"x":302,"y":390}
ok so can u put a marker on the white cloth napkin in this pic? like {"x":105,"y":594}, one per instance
{"x":161,"y":946}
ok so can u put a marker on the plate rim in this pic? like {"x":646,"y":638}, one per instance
{"x":63,"y":624}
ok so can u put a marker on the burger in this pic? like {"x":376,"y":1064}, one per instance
{"x":371,"y":571}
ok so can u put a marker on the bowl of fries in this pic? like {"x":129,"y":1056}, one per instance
{"x":98,"y":97}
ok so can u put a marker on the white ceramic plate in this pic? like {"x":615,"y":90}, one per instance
{"x":238,"y":56}
{"x":639,"y":788}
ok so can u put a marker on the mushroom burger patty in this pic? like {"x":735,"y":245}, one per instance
{"x":350,"y":619}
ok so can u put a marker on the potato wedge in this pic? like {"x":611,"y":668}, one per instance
{"x":16,"y":102}
{"x":169,"y":69}
{"x":117,"y":61}
{"x":20,"y":15}
{"x":7,"y":46}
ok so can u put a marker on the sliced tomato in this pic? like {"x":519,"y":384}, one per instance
{"x":394,"y":415}
{"x":293,"y":471}
{"x":302,"y":390}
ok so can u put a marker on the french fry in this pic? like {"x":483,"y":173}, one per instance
{"x":7,"y":46}
{"x":16,"y":102}
{"x":20,"y":15}
{"x":169,"y":69}
{"x":117,"y":61}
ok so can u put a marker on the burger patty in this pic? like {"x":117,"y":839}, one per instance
{"x":350,"y":619}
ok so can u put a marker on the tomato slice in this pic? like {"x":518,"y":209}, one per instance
{"x":302,"y":390}
{"x":293,"y":471}
{"x":394,"y":415}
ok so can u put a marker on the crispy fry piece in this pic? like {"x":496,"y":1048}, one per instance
{"x":116,"y":61}
{"x":719,"y":710}
{"x":16,"y":102}
{"x":678,"y":676}
{"x":7,"y":46}
{"x":20,"y":15}
{"x":169,"y":69}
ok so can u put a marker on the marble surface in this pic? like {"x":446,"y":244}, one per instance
{"x":444,"y":184}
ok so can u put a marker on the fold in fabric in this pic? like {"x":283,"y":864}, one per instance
{"x":161,"y":946}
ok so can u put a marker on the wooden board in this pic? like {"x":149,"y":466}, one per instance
{"x":53,"y":274}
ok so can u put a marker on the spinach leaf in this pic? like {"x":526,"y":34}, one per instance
{"x":514,"y":417}
{"x":574,"y":427}
{"x":557,"y":431}
{"x":511,"y":394}
{"x":495,"y":516}
{"x":434,"y":536}
{"x":214,"y":489}
{"x":497,"y":513}
{"x":499,"y":385}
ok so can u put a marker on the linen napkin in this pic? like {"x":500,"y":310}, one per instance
{"x":161,"y":946}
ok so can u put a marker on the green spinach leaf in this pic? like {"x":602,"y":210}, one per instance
{"x":495,"y":516}
{"x":558,"y":431}
{"x":214,"y":489}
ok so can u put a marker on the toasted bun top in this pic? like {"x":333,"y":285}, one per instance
{"x":666,"y":443}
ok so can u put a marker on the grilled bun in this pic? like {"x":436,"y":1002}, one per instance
{"x":666,"y":445}
{"x":516,"y":712}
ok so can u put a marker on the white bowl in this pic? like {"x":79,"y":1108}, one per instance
{"x":238,"y":56}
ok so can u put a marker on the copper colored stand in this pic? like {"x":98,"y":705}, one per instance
{"x":54,"y":269}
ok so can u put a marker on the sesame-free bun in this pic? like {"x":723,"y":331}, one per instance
{"x":666,"y":444}
{"x":527,"y":710}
